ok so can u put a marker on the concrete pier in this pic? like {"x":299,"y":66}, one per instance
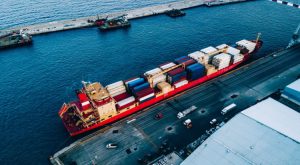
{"x":131,"y":14}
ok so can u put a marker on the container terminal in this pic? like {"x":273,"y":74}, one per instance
{"x":98,"y":106}
{"x":130,"y":14}
{"x":143,"y":137}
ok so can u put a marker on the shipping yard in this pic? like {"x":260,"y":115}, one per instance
{"x":131,"y":14}
{"x":144,"y":137}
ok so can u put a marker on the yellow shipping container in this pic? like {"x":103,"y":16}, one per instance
{"x":164,"y":87}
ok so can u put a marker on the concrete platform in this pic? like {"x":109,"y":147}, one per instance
{"x":131,"y":14}
{"x":146,"y":138}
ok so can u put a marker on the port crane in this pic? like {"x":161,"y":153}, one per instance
{"x":295,"y":38}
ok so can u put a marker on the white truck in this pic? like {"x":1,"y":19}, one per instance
{"x":185,"y":112}
{"x":228,"y":108}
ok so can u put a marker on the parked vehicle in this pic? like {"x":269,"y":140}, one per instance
{"x":188,"y":123}
{"x":228,"y":108}
{"x":185,"y":112}
{"x":111,"y":145}
{"x":159,"y":116}
{"x":213,"y":121}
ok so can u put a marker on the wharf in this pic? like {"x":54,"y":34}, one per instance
{"x":131,"y":14}
{"x":147,"y":138}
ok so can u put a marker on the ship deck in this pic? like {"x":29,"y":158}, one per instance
{"x":144,"y":136}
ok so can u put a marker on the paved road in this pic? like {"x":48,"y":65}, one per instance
{"x":147,"y":138}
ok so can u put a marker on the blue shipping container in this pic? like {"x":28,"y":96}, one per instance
{"x":177,"y":77}
{"x":181,"y":58}
{"x":136,"y":83}
{"x":140,"y":87}
{"x":195,"y":71}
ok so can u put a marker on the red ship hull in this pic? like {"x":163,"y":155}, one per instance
{"x":155,"y":100}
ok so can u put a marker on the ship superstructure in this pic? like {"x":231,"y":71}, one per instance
{"x":14,"y":38}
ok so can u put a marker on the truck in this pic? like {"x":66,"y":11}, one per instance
{"x":228,"y":108}
{"x":185,"y":112}
{"x":188,"y":123}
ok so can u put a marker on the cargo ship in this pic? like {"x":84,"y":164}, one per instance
{"x":98,"y":105}
{"x":14,"y":39}
{"x":113,"y":23}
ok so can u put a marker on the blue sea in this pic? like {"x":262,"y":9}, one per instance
{"x":36,"y":80}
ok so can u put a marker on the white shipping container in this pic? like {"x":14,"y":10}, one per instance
{"x":233,"y":51}
{"x":208,"y":50}
{"x":126,"y":101}
{"x":113,"y":85}
{"x":113,"y":94}
{"x":152,"y":72}
{"x":248,"y":44}
{"x":181,"y":83}
{"x":221,"y":60}
{"x":146,"y":97}
{"x":167,"y":66}
{"x":198,"y":56}
{"x":222,"y":46}
{"x":116,"y":89}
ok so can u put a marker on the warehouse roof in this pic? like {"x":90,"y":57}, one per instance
{"x":265,"y":133}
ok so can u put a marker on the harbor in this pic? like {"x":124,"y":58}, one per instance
{"x":130,"y":14}
{"x":37,"y":79}
{"x":142,"y":138}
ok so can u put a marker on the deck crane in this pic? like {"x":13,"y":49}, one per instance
{"x":295,"y":38}
{"x":151,"y":77}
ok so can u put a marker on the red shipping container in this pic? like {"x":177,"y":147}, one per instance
{"x":189,"y":62}
{"x":125,"y":106}
{"x":175,"y":71}
{"x":144,"y":92}
{"x":121,"y":96}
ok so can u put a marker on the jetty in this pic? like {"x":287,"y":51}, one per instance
{"x":130,"y":14}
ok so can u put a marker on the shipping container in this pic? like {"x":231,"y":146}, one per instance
{"x":221,"y":61}
{"x":136,"y":82}
{"x":140,"y":87}
{"x":124,"y":102}
{"x":209,"y":50}
{"x":195,"y":71}
{"x":146,"y":98}
{"x":175,"y":71}
{"x":164,"y":87}
{"x":114,"y":85}
{"x":233,"y":51}
{"x":144,"y":92}
{"x":152,"y":72}
{"x":121,"y":96}
{"x":222,"y":46}
{"x":247,"y":44}
{"x":167,"y":65}
{"x":181,"y":83}
{"x":179,"y":76}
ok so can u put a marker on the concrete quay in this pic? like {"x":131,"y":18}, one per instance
{"x":131,"y":14}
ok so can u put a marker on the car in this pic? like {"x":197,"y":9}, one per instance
{"x":158,"y":116}
{"x":111,"y":145}
{"x":213,"y":121}
{"x":188,"y":123}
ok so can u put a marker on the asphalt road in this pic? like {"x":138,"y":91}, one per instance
{"x":147,"y":138}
